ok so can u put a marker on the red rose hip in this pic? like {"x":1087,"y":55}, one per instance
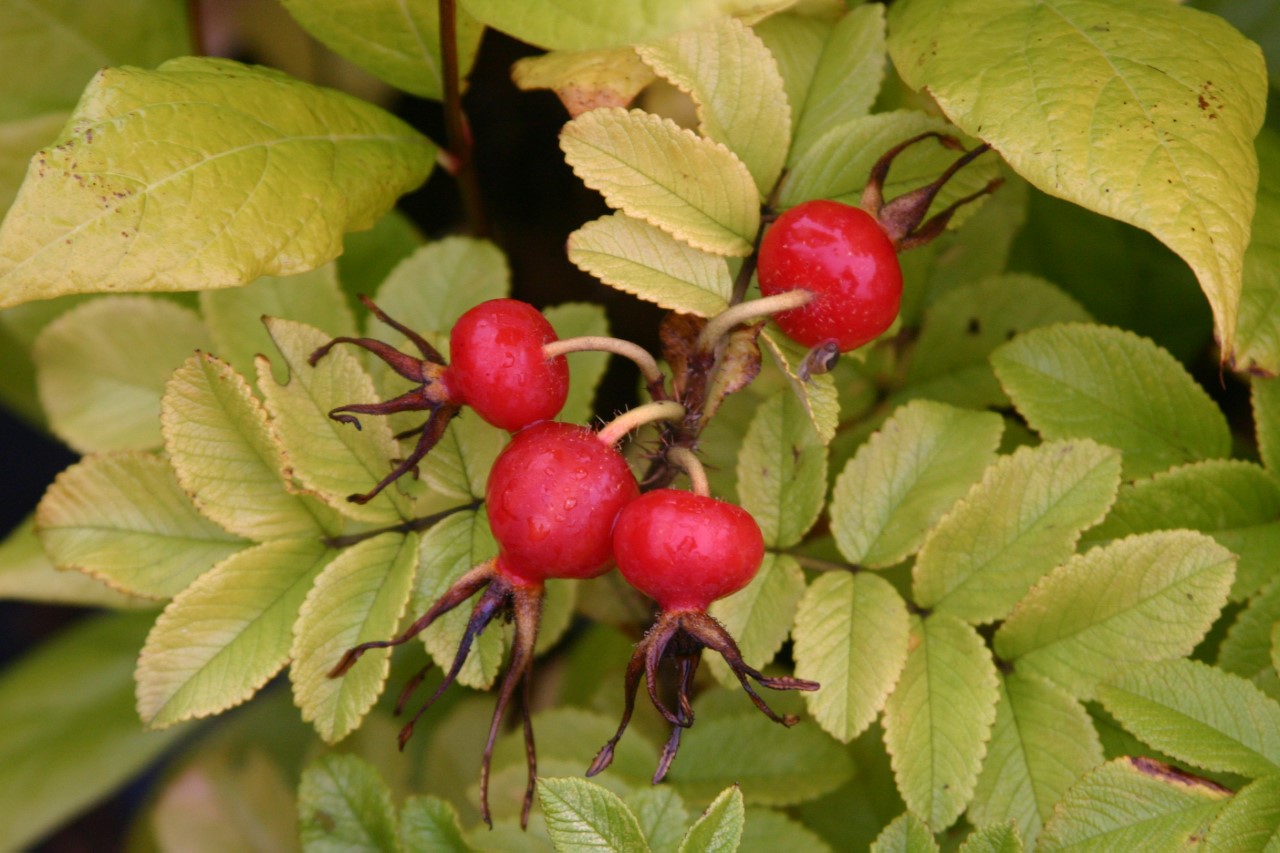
{"x":844,"y":258}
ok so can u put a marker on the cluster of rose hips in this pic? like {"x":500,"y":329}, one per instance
{"x":561,"y":500}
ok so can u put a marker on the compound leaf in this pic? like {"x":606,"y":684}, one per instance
{"x":902,"y":480}
{"x":1020,"y":521}
{"x":1088,"y":381}
{"x":343,"y":804}
{"x":782,"y":471}
{"x":227,"y":634}
{"x":851,"y":636}
{"x":1042,"y":742}
{"x":101,"y":369}
{"x":203,"y":173}
{"x":1158,"y":97}
{"x":1198,"y":714}
{"x":399,"y":42}
{"x":124,"y":519}
{"x":221,"y":449}
{"x":938,"y":719}
{"x":737,"y":87}
{"x":359,"y":597}
{"x":1144,"y":598}
{"x":1132,"y":804}
{"x":583,"y":817}
{"x":907,"y":834}
{"x":638,"y":258}
{"x":649,"y":167}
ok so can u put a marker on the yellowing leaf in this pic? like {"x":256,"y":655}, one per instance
{"x":650,"y":168}
{"x":203,"y":173}
{"x":228,"y":633}
{"x":101,"y":369}
{"x":27,"y":574}
{"x":1145,"y":112}
{"x":647,"y":262}
{"x":735,"y":82}
{"x":586,"y":80}
{"x":1258,"y":331}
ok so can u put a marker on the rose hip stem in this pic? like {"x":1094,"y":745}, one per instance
{"x":689,"y":462}
{"x":718,"y":326}
{"x":662,"y":410}
{"x":601,"y":343}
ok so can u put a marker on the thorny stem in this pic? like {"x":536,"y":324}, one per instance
{"x":457,"y":134}
{"x":602,"y":343}
{"x":414,"y":524}
{"x":661,"y":410}
{"x":691,"y":465}
{"x":719,"y":325}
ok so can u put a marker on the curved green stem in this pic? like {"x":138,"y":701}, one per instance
{"x":691,"y":465}
{"x":664,"y":410}
{"x":718,"y":326}
{"x":603,"y":343}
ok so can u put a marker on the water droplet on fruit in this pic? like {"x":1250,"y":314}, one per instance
{"x":570,"y":503}
{"x":509,"y":359}
{"x":538,"y":529}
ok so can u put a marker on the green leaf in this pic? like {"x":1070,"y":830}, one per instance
{"x":332,"y":459}
{"x":938,"y":719}
{"x":907,"y":834}
{"x":737,"y":88}
{"x":966,"y":324}
{"x":1250,"y":821}
{"x":101,"y":368}
{"x":1020,"y":521}
{"x":782,"y":471}
{"x":998,"y":838}
{"x":1246,"y":650}
{"x":906,"y":476}
{"x":1085,"y":381}
{"x":586,"y":24}
{"x":166,"y":180}
{"x":26,"y":574}
{"x":649,"y":167}
{"x":343,"y":804}
{"x":782,"y":767}
{"x":637,"y":258}
{"x":1158,"y":96}
{"x":1258,"y":329}
{"x":221,"y":449}
{"x":228,"y":633}
{"x":360,"y":596}
{"x":845,"y":79}
{"x":768,"y":831}
{"x":397,"y":42}
{"x":429,"y":290}
{"x":586,"y":369}
{"x":1235,"y":502}
{"x":719,"y":830}
{"x":1042,"y":742}
{"x":585,"y":79}
{"x":1134,"y":804}
{"x":1145,"y":598}
{"x":369,"y":256}
{"x":796,"y":42}
{"x":817,"y":393}
{"x":234,"y":315}
{"x":1266,"y":417}
{"x":582,"y":816}
{"x":450,"y":548}
{"x":851,"y":637}
{"x":74,"y":749}
{"x":759,"y":615}
{"x":123,"y":519}
{"x":52,"y":49}
{"x":429,"y":823}
{"x":1199,"y":715}
{"x":837,"y":164}
{"x":662,"y":816}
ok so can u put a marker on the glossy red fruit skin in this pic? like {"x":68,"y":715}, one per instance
{"x":684,"y":550}
{"x":496,"y":365}
{"x":552,"y":498}
{"x":846,"y":259}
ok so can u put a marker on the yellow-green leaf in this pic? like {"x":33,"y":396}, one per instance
{"x":1145,"y":112}
{"x":228,"y":633}
{"x":586,"y":80}
{"x":691,"y":187}
{"x":759,"y":615}
{"x":782,"y":471}
{"x":647,"y":262}
{"x":203,"y":173}
{"x":817,"y":394}
{"x":27,"y":574}
{"x":1258,"y":330}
